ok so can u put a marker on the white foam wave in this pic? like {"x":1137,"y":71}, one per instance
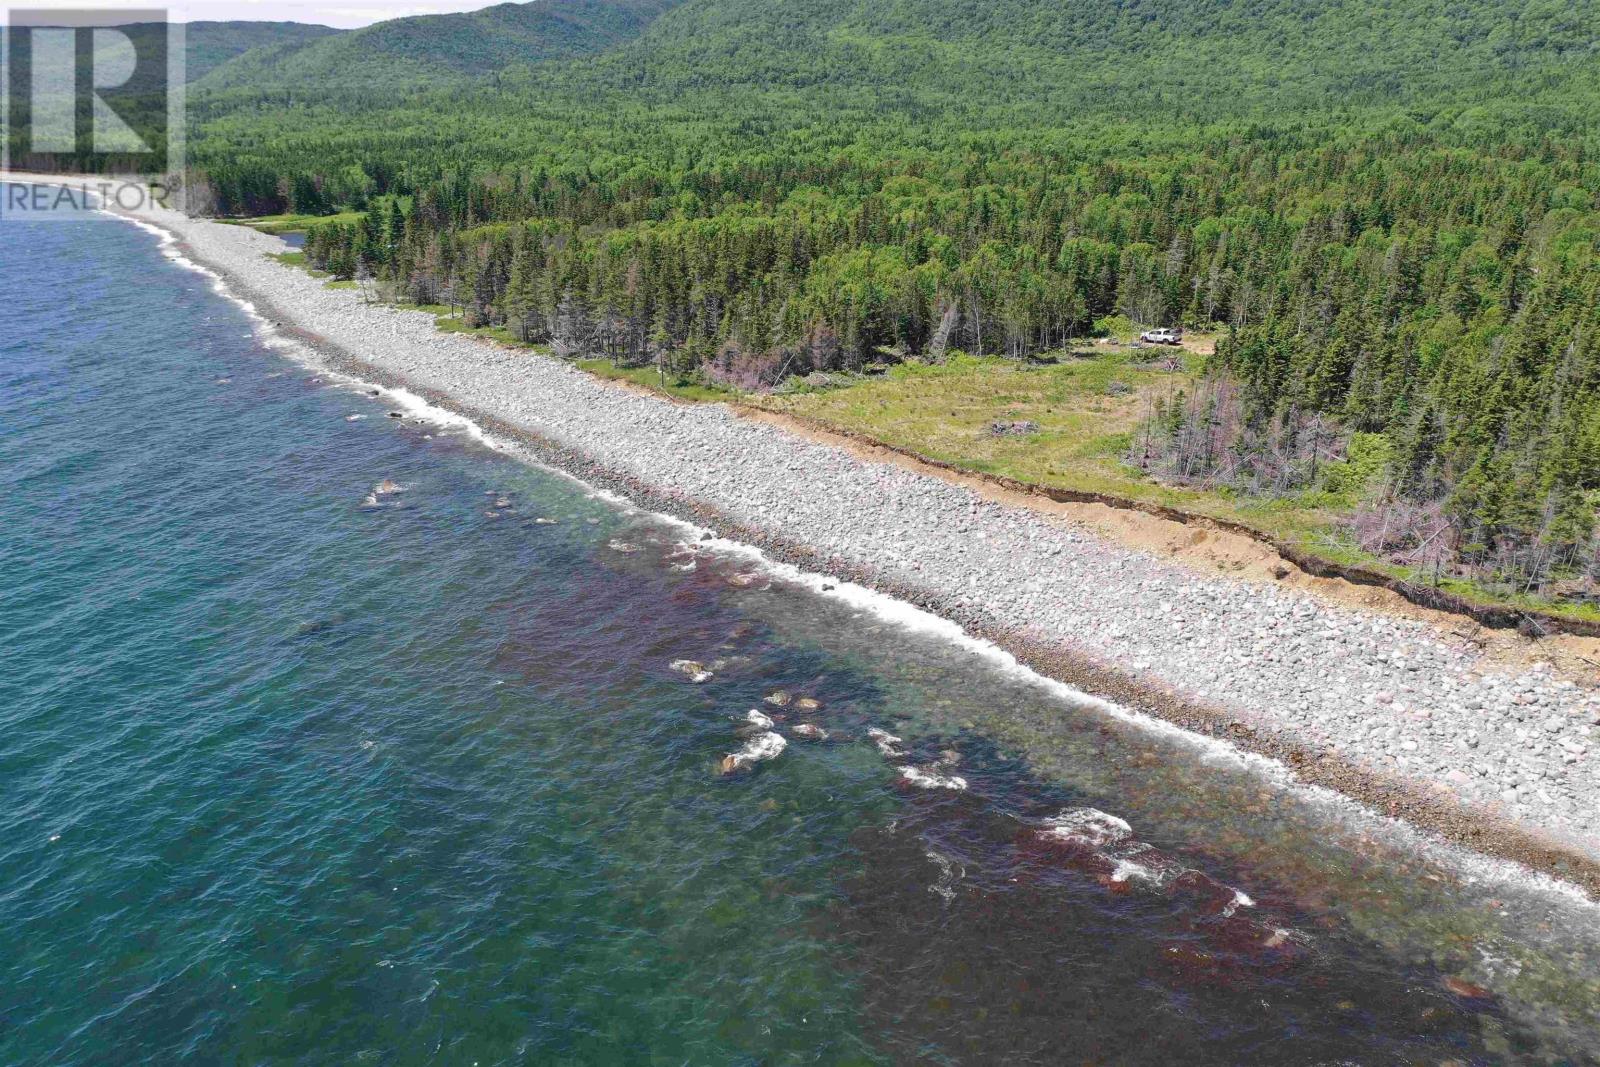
{"x":887,"y":743}
{"x":1241,"y":899}
{"x":416,"y":406}
{"x":1089,"y":825}
{"x":932,"y":779}
{"x":949,"y":874}
{"x":759,"y":749}
{"x":1129,"y":871}
{"x":691,"y":669}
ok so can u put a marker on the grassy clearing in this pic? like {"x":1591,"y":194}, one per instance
{"x":278,"y":225}
{"x":298,"y":260}
{"x":1088,"y":408}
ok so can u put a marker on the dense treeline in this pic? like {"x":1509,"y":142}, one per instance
{"x":1402,"y":253}
{"x":1475,"y":351}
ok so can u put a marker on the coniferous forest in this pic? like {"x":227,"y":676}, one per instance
{"x":1388,"y":212}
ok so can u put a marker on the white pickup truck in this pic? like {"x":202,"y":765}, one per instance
{"x":1163,"y":336}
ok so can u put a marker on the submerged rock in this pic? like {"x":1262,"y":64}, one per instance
{"x":887,"y":743}
{"x":543,"y":521}
{"x":808,"y":703}
{"x":759,"y":749}
{"x":1208,"y":894}
{"x":1103,"y":845}
{"x":780,"y":699}
{"x":810,"y":731}
{"x":387,"y":487}
{"x":1088,"y":825}
{"x":1475,"y":995}
{"x":317,"y":626}
{"x":756,"y":718}
{"x":1277,"y":938}
{"x":694,"y":670}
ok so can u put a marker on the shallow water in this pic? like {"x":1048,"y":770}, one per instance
{"x":299,"y":771}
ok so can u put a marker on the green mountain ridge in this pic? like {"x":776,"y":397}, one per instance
{"x":424,"y":50}
{"x":1267,"y":56}
{"x":209,"y":45}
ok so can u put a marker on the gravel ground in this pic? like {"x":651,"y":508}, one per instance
{"x":1395,"y":696}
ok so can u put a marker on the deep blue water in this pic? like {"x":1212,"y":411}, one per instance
{"x":289,"y":773}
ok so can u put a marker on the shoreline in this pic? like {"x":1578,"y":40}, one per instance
{"x":502,"y":390}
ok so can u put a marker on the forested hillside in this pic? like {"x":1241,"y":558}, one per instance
{"x":141,"y":99}
{"x":431,"y":49}
{"x":208,"y":45}
{"x":1389,"y":210}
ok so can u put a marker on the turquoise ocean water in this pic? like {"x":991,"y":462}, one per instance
{"x":296,"y":772}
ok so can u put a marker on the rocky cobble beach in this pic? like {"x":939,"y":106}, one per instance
{"x":1400,"y":699}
